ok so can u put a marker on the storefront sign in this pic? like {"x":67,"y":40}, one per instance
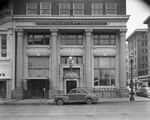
{"x":71,"y":23}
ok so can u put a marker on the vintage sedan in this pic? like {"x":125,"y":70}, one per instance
{"x":76,"y":95}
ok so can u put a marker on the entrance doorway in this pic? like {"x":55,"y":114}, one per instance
{"x":3,"y":89}
{"x":38,"y":88}
{"x":70,"y":84}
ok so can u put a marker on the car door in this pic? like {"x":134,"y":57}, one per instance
{"x":73,"y":95}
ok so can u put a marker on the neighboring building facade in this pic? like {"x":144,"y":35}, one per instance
{"x":6,"y":52}
{"x":47,"y":32}
{"x":138,"y":49}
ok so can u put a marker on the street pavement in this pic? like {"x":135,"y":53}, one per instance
{"x":51,"y":101}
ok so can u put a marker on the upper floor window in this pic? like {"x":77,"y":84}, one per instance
{"x":104,"y":39}
{"x":3,"y":44}
{"x":38,"y":39}
{"x":97,"y":8}
{"x":71,"y":39}
{"x":64,"y":8}
{"x":78,"y":8}
{"x":111,"y":8}
{"x":45,"y":8}
{"x":31,"y":8}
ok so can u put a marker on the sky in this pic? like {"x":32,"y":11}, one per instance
{"x":138,"y":12}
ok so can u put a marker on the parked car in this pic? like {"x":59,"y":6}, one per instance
{"x":76,"y":95}
{"x":144,"y":91}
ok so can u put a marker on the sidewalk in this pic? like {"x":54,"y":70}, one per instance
{"x":51,"y":101}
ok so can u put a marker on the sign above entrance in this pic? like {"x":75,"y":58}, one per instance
{"x":71,"y":23}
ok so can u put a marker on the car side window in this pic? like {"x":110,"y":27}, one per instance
{"x":73,"y":91}
{"x":82,"y":91}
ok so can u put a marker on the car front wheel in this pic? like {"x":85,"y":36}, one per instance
{"x":60,"y":102}
{"x":89,"y":101}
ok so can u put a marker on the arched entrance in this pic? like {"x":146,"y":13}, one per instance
{"x":71,"y":80}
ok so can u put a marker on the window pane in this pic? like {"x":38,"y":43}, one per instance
{"x":64,"y":8}
{"x":78,"y":8}
{"x":111,"y":8}
{"x":97,"y":8}
{"x":31,"y":8}
{"x":3,"y":45}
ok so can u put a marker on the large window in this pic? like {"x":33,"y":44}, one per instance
{"x":97,"y":8}
{"x":38,"y":39}
{"x":111,"y":8}
{"x":71,"y":39}
{"x":104,"y":39}
{"x":38,"y":66}
{"x":78,"y":8}
{"x":3,"y":45}
{"x":104,"y":71}
{"x":77,"y":59}
{"x":45,"y":8}
{"x":64,"y":8}
{"x":31,"y":8}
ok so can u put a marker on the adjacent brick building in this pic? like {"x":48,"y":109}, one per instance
{"x":47,"y":32}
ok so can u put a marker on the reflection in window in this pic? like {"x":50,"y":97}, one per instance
{"x":38,"y":39}
{"x":31,"y":8}
{"x":111,"y":8}
{"x":104,"y":71}
{"x":45,"y":8}
{"x":97,"y":8}
{"x":104,"y":39}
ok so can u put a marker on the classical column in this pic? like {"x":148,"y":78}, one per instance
{"x":54,"y":63}
{"x":88,"y":59}
{"x":18,"y":92}
{"x":122,"y":66}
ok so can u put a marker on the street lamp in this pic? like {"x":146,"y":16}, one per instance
{"x":131,"y":81}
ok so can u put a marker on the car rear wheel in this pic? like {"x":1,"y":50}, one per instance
{"x":60,"y":102}
{"x":89,"y":101}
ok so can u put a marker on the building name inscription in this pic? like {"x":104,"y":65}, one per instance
{"x":71,"y":23}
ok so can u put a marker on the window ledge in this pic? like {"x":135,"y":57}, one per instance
{"x":5,"y":59}
{"x":70,"y":46}
{"x":104,"y":46}
{"x":38,"y":46}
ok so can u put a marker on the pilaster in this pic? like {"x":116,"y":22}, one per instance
{"x":88,"y":59}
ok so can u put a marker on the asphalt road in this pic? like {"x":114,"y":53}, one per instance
{"x":102,"y":111}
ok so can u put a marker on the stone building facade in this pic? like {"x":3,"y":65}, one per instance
{"x":47,"y":32}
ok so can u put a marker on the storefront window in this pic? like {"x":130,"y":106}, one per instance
{"x":78,"y":8}
{"x":38,"y":39}
{"x":104,"y":39}
{"x":104,"y":71}
{"x":3,"y":41}
{"x":71,"y":39}
{"x":38,"y":66}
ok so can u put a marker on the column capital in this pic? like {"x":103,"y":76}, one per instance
{"x":19,"y":31}
{"x":123,"y":32}
{"x":88,"y":31}
{"x":54,"y":32}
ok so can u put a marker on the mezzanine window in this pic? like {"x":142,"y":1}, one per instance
{"x":71,"y":39}
{"x":111,"y":8}
{"x":97,"y":9}
{"x":38,"y":39}
{"x":31,"y":8}
{"x":104,"y":39}
{"x":64,"y":8}
{"x":3,"y":45}
{"x":104,"y":71}
{"x":38,"y":66}
{"x":78,"y":8}
{"x":45,"y":8}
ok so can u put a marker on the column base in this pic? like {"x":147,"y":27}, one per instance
{"x":123,"y":92}
{"x":18,"y":93}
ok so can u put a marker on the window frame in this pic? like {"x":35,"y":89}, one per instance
{"x":29,"y":9}
{"x":95,"y":9}
{"x":111,"y":9}
{"x":3,"y":48}
{"x":64,"y":9}
{"x":45,"y":8}
{"x":78,"y":9}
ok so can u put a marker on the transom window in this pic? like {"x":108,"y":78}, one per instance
{"x":38,"y":39}
{"x":77,"y":59}
{"x":111,"y":8}
{"x":78,"y":8}
{"x":104,"y":71}
{"x":3,"y":45}
{"x":64,"y":8}
{"x":45,"y":8}
{"x":31,"y":8}
{"x":71,"y":39}
{"x":104,"y":39}
{"x":38,"y":66}
{"x":97,"y":8}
